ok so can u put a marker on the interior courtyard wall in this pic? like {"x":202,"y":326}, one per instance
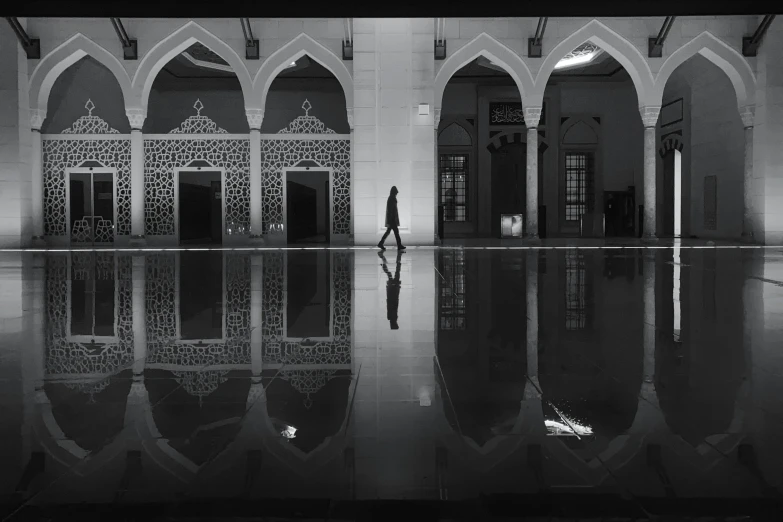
{"x":15,"y":143}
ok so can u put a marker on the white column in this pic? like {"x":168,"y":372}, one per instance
{"x":436,"y":126}
{"x":349,"y":113}
{"x":37,"y":117}
{"x":649,"y":119}
{"x":532,"y":118}
{"x":136,"y":119}
{"x":254,"y":119}
{"x":748,"y":114}
{"x":139,"y":308}
{"x":256,"y":318}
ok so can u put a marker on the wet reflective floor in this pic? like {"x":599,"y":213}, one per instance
{"x":449,"y":383}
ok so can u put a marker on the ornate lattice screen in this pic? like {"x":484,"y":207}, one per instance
{"x":306,"y":139}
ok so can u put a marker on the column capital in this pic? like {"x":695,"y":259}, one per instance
{"x":136,"y":118}
{"x":37,"y":117}
{"x":532,"y":117}
{"x":748,"y":115}
{"x":436,"y":117}
{"x":349,"y":114}
{"x":255,"y":117}
{"x":650,"y":115}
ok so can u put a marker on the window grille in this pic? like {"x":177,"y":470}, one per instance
{"x":454,"y":187}
{"x":452,"y":290}
{"x":578,"y":184}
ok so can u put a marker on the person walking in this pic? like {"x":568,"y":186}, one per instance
{"x":392,"y":220}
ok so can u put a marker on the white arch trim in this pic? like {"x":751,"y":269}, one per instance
{"x":611,"y":42}
{"x":174,"y":44}
{"x":729,"y":60}
{"x":74,"y":49}
{"x":292,"y":51}
{"x":486,"y":46}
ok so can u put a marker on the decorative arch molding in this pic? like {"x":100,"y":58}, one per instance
{"x":671,"y":142}
{"x":56,"y":62}
{"x":573,"y":121}
{"x":165,"y":50}
{"x":486,"y":46}
{"x":618,"y":47}
{"x":729,"y":60}
{"x":463,"y":122}
{"x":292,"y":51}
{"x":504,"y":138}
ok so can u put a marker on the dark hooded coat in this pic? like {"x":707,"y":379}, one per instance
{"x":392,"y":216}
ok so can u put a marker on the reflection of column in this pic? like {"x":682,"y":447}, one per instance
{"x":532,"y":318}
{"x":136,"y":119}
{"x":532,"y":117}
{"x":747,"y":114}
{"x":37,"y":117}
{"x":256,"y":310}
{"x":349,"y":111}
{"x":254,"y":119}
{"x":649,"y":119}
{"x":139,"y":315}
{"x":436,"y":127}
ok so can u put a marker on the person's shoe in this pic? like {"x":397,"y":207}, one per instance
{"x":401,"y":247}
{"x":381,"y":246}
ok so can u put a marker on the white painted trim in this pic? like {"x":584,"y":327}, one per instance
{"x":85,"y":137}
{"x":312,"y":137}
{"x":178,"y":303}
{"x":88,"y":170}
{"x":211,"y":137}
{"x":331,"y":307}
{"x":284,"y":174}
{"x":175,"y":173}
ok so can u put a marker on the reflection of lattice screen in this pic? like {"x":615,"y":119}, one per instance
{"x":276,"y":350}
{"x":64,"y":357}
{"x":454,"y":186}
{"x":60,"y":154}
{"x":162,"y":156}
{"x":452,"y":290}
{"x":576,"y":291}
{"x":578,"y":184}
{"x":711,"y":202}
{"x":279,"y":154}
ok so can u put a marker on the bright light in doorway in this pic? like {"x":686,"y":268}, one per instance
{"x":582,"y":55}
{"x":677,"y":193}
{"x":292,"y":64}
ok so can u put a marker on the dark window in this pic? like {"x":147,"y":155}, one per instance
{"x":452,"y":290}
{"x":578,"y":184}
{"x":576,"y":291}
{"x":454,"y":186}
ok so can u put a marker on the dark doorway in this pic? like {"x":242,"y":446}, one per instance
{"x":307,"y":206}
{"x":93,"y":303}
{"x":92,"y":207}
{"x":509,"y":189}
{"x":200,"y":208}
{"x":201,"y":295}
{"x":309,"y":294}
{"x":672,"y":183}
{"x":619,"y":213}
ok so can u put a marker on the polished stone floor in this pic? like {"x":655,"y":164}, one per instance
{"x":453,"y":383}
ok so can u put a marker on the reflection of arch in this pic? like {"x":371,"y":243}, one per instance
{"x":618,"y":47}
{"x":165,"y":50}
{"x":292,"y":51}
{"x":504,"y":138}
{"x":486,"y":46}
{"x":730,"y":61}
{"x":57,"y":61}
{"x":672,"y":142}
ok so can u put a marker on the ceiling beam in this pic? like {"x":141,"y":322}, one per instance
{"x":751,"y":44}
{"x":534,"y":45}
{"x":655,"y":44}
{"x":347,"y":38}
{"x":440,"y":38}
{"x":31,"y":46}
{"x":252,"y":46}
{"x":130,"y":48}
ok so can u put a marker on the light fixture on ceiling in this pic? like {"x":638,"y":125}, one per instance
{"x":292,"y":64}
{"x":424,"y":109}
{"x":582,"y":55}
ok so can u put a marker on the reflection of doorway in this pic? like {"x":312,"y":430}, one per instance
{"x":200,"y":219}
{"x":308,"y":308}
{"x":91,"y":206}
{"x":307,"y":200}
{"x":672,"y":193}
{"x":201,"y":294}
{"x":92,"y":311}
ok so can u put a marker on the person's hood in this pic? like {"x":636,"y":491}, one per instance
{"x":393,"y":191}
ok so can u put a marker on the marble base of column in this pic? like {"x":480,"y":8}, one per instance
{"x":138,"y":241}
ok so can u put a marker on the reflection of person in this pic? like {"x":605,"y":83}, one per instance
{"x":392,"y":291}
{"x":392,"y":220}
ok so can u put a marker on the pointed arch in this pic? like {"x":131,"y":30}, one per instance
{"x":611,"y":42}
{"x":486,"y":46}
{"x":174,"y":44}
{"x":56,"y":62}
{"x":292,"y":51}
{"x":729,"y":60}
